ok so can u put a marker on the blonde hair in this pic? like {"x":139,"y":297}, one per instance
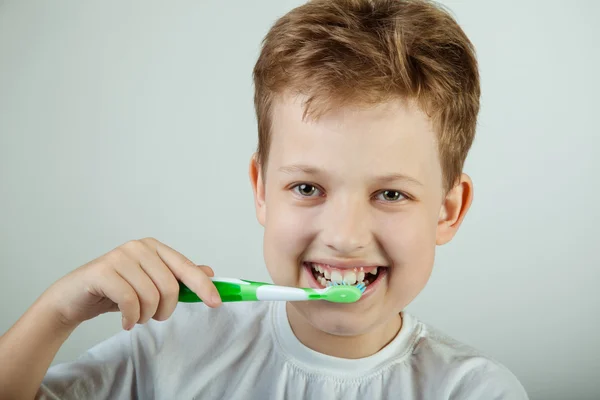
{"x":362,"y":52}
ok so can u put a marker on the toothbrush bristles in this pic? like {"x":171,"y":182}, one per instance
{"x":361,"y":286}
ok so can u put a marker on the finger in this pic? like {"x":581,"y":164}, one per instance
{"x":145,"y":289}
{"x":207,"y":270}
{"x":119,"y":291}
{"x":190,"y":274}
{"x":165,"y":282}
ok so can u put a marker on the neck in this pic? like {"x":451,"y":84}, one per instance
{"x":350,"y":347}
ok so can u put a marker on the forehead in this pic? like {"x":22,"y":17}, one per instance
{"x":395,"y":136}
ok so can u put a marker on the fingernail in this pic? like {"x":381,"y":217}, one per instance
{"x":125,"y":323}
{"x":216,"y":299}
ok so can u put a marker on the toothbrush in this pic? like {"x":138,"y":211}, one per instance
{"x":231,"y":289}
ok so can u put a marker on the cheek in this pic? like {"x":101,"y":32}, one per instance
{"x":287,"y":228}
{"x":288,"y":233}
{"x":406,"y":235}
{"x":409,"y":242}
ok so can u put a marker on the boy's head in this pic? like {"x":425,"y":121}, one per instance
{"x":366,"y":111}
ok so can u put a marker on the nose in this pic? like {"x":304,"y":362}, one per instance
{"x":346,"y":226}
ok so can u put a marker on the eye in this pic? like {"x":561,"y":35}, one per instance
{"x":391,"y":196}
{"x":307,"y":190}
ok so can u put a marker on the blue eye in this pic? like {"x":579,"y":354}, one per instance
{"x":391,"y":196}
{"x":307,"y":190}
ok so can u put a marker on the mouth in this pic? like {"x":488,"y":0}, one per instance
{"x":324,"y":275}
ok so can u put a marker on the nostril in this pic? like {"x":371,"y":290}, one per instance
{"x":345,"y":248}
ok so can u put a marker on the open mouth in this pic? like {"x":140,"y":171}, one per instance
{"x":325,"y":275}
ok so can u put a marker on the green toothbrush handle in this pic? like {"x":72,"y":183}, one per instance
{"x":229,"y":291}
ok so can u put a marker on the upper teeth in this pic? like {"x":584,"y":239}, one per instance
{"x":336,"y":276}
{"x":348,"y":276}
{"x":360,"y":276}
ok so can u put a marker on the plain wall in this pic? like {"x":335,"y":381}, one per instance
{"x":120,"y":120}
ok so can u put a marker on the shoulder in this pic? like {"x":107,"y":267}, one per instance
{"x":463,"y":371}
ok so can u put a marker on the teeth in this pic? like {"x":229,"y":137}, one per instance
{"x":360,"y":276}
{"x":350,"y":278}
{"x":317,"y":268}
{"x":336,"y":276}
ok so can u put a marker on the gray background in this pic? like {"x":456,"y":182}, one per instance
{"x":120,"y":120}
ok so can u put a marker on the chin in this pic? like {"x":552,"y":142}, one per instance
{"x":341,"y":319}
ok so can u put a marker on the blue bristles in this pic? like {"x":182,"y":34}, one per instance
{"x":360,"y":286}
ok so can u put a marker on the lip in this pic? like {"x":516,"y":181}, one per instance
{"x":343,"y":264}
{"x":312,"y":282}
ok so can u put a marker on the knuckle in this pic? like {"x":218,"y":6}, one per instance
{"x":149,"y":241}
{"x":150,"y":300}
{"x":133,"y":245}
{"x":115,"y":258}
{"x":128,"y":302}
{"x":171,"y":288}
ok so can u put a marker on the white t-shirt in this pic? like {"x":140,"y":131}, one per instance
{"x":248,"y":351}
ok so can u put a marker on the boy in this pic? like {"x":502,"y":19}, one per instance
{"x":366,"y":111}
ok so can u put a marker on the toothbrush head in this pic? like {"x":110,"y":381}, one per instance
{"x":343,"y":292}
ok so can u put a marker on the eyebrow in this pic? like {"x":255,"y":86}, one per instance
{"x":292,"y":169}
{"x":307,"y":169}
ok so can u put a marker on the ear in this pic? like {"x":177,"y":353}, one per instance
{"x":454,"y":208}
{"x":258,"y":187}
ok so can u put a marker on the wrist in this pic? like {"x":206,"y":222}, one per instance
{"x":49,"y":314}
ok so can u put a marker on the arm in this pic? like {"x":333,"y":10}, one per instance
{"x":28,"y":348}
{"x":139,"y":279}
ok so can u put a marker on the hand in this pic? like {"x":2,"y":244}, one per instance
{"x":139,"y":278}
